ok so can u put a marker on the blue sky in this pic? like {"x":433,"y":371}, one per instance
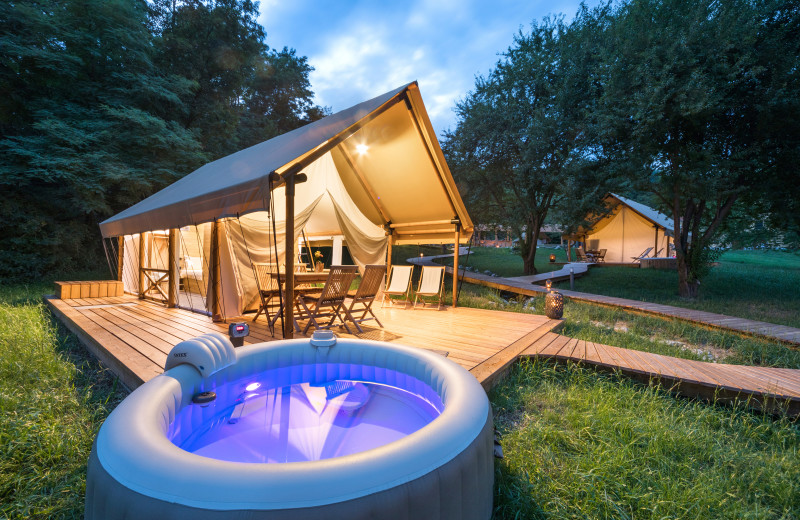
{"x":361,"y":49}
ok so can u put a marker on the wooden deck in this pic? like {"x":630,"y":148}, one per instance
{"x":132,"y":337}
{"x":770,"y":389}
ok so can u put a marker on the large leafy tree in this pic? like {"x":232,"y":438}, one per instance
{"x":521,"y":147}
{"x":87,"y":126}
{"x":691,"y":110}
{"x":244,"y":92}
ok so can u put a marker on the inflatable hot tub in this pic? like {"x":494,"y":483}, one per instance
{"x":319,"y":428}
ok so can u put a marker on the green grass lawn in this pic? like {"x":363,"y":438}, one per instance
{"x":503,"y":262}
{"x":53,"y":398}
{"x":757,"y":285}
{"x":579,"y":444}
{"x":620,"y":328}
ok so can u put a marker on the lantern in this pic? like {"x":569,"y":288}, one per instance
{"x":554,"y":305}
{"x":552,"y":258}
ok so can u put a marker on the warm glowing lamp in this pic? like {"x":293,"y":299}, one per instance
{"x":361,"y":149}
{"x":552,"y":258}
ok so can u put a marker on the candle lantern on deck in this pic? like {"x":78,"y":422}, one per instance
{"x":552,"y":258}
{"x":553,"y":303}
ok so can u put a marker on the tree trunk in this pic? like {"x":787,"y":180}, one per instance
{"x":687,"y":287}
{"x":529,"y":257}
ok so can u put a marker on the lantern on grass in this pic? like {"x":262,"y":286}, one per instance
{"x":554,"y":305}
{"x":552,"y":258}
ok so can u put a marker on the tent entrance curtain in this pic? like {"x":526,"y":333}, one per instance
{"x":323,"y":206}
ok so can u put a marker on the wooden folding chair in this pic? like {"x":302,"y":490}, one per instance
{"x":313,"y":305}
{"x":582,"y":256}
{"x":364,"y":297}
{"x":431,"y":284}
{"x":399,"y":284}
{"x":268,"y":286}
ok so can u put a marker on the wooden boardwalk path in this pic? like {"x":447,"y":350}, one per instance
{"x":770,"y":389}
{"x":132,"y":337}
{"x":521,"y":286}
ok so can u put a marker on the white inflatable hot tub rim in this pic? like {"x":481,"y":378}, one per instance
{"x":132,"y":445}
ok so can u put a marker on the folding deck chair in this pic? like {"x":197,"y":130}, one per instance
{"x":431,"y":284}
{"x":582,"y":257}
{"x":643,"y":255}
{"x":399,"y":284}
{"x":364,"y":297}
{"x":268,"y":287}
{"x":601,"y":255}
{"x":313,"y":305}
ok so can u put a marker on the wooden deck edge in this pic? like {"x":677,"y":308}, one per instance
{"x":73,"y":321}
{"x":706,"y":391}
{"x":794,"y":344}
{"x":492,"y":370}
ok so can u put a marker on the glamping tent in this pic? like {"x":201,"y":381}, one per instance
{"x":370,"y":176}
{"x":626,"y":231}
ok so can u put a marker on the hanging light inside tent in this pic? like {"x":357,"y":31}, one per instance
{"x":361,"y":148}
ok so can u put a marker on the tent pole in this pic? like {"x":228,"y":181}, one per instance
{"x":214,"y":272}
{"x":141,"y":264}
{"x":120,"y":256}
{"x":288,"y":300}
{"x":389,"y":256}
{"x":172,"y":292}
{"x":455,"y":266}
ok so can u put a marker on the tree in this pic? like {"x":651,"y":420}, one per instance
{"x":86,"y":130}
{"x":521,"y":147}
{"x":685,"y":103}
{"x":278,"y":98}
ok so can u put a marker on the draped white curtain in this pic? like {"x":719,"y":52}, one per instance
{"x":322,"y":206}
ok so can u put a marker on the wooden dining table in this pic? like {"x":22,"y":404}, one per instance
{"x":301,"y":278}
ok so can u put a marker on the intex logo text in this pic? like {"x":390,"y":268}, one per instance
{"x":179,"y":354}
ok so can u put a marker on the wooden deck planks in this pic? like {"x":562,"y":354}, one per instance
{"x":768,"y":387}
{"x":741,"y":325}
{"x":133,"y":337}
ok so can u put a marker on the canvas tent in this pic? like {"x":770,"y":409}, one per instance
{"x":628,"y":229}
{"x":372,"y":175}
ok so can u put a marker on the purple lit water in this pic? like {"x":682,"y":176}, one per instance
{"x":302,"y":422}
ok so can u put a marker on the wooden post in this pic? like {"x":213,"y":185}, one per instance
{"x":569,"y":250}
{"x":172,"y":266}
{"x":214,"y":273}
{"x":389,"y":256}
{"x":655,"y":249}
{"x":120,"y":256}
{"x":288,"y":298}
{"x":455,"y":266}
{"x":142,"y":238}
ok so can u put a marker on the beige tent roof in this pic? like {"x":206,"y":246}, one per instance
{"x":615,"y":203}
{"x":400,"y":181}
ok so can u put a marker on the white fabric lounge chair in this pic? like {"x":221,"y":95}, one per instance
{"x":399,"y":284}
{"x":431,"y":284}
{"x":644,"y":254}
